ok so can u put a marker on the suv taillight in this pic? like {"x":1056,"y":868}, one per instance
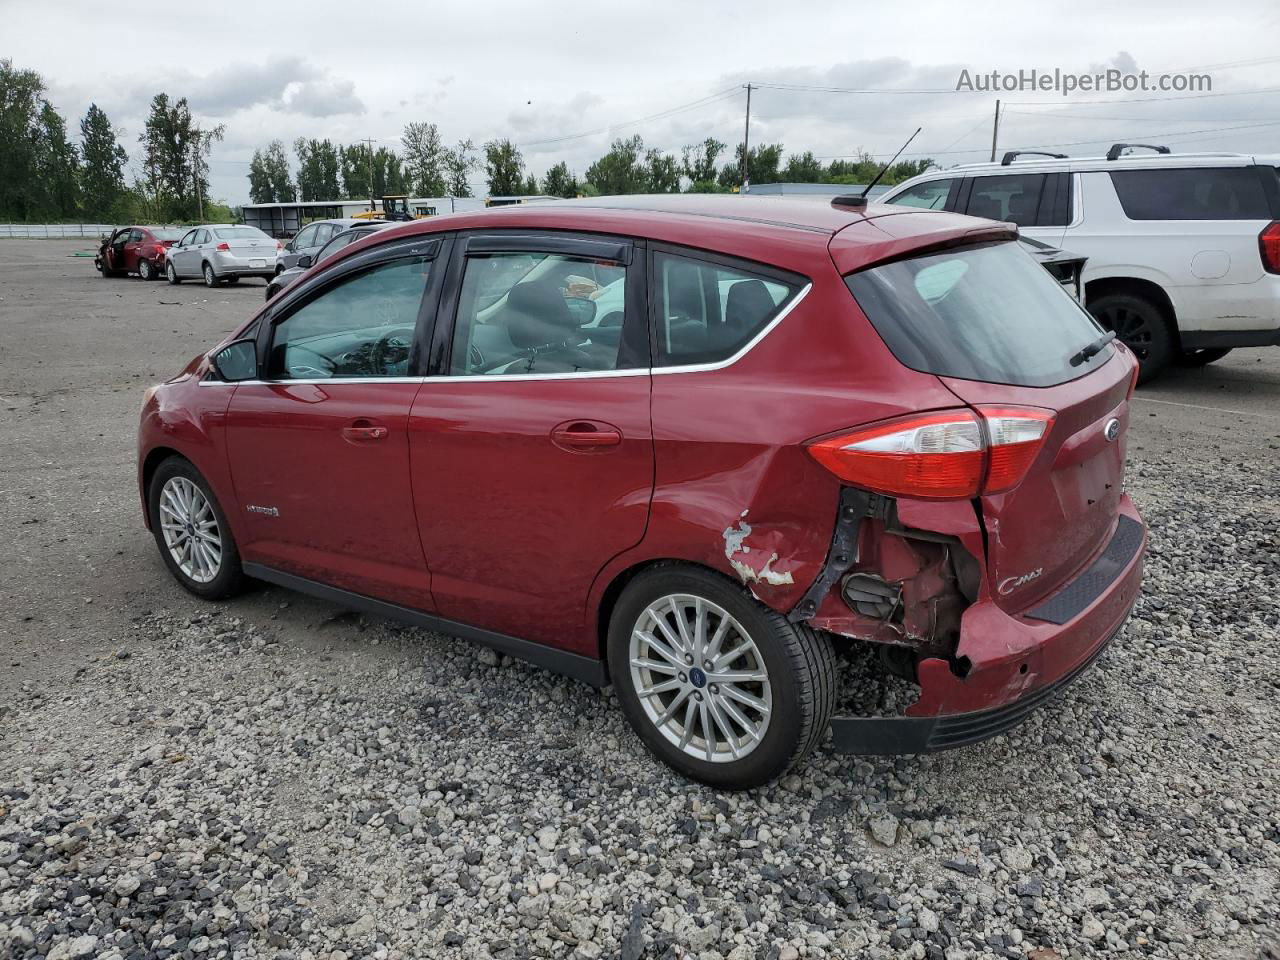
{"x":944,"y":455}
{"x":1269,"y":246}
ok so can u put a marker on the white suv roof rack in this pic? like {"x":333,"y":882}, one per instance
{"x":1114,"y":154}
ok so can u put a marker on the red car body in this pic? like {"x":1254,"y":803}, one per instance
{"x":128,"y":247}
{"x":475,"y":504}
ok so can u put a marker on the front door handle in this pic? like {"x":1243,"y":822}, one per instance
{"x":361,"y":431}
{"x":585,"y":436}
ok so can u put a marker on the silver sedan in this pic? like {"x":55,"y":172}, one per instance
{"x":221,"y":252}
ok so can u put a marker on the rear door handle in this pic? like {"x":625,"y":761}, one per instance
{"x":585,"y":436}
{"x":361,"y":431}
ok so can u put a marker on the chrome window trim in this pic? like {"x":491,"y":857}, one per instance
{"x":581,"y":375}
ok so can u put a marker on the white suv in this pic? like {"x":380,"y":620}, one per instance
{"x":1184,"y":250}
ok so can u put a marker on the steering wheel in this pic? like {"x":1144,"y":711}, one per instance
{"x":391,"y":349}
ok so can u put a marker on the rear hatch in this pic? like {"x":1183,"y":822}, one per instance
{"x":1010,"y":343}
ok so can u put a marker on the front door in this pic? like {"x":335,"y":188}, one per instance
{"x":532,"y":452}
{"x":319,"y":449}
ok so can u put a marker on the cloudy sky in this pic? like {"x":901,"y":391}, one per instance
{"x":562,"y":79}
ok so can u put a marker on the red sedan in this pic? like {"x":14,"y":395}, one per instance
{"x":137,"y":250}
{"x":686,"y":446}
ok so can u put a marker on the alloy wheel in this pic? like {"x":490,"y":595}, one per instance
{"x":1131,"y":327}
{"x":700,"y":678}
{"x":190,"y":529}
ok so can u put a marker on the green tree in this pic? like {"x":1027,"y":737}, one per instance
{"x":57,"y":166}
{"x":762,"y":165}
{"x":620,"y":170}
{"x":102,"y":171}
{"x":803,"y":168}
{"x":662,"y":172}
{"x":317,"y":169}
{"x":269,"y":179}
{"x":175,"y":151}
{"x":503,"y":168}
{"x":698,"y":161}
{"x":530,"y":187}
{"x":458,"y":163}
{"x":423,"y":159}
{"x":559,"y":182}
{"x":39,"y":167}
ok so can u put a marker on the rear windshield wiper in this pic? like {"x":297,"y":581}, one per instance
{"x":1092,"y":350}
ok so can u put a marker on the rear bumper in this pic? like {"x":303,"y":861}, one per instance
{"x":1206,"y":339}
{"x":1015,"y":662}
{"x":230,"y":266}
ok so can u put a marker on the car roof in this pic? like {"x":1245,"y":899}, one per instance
{"x":786,"y":232}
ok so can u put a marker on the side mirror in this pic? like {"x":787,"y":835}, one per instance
{"x":304,"y":261}
{"x":237,"y":361}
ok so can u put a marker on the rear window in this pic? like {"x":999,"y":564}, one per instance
{"x":166,"y":233}
{"x":1201,"y":193}
{"x":240,"y":233}
{"x":987,"y":313}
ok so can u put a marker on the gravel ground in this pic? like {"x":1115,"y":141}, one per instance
{"x":277,"y":777}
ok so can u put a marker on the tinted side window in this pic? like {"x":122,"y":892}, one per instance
{"x":926,"y":196}
{"x":1014,"y":197}
{"x":1227,"y":193}
{"x":522,"y":313}
{"x":363,"y":327}
{"x":706,"y":312}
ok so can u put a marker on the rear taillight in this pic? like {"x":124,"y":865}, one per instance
{"x":1269,"y":246}
{"x":224,"y":247}
{"x":279,"y":245}
{"x":1133,"y":379}
{"x":945,"y":455}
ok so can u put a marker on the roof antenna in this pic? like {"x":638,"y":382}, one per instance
{"x":860,"y":200}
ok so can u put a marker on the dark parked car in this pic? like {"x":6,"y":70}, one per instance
{"x":137,"y":250}
{"x":339,"y":242}
{"x":686,"y":446}
{"x":308,"y":241}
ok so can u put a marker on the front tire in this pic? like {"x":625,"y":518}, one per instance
{"x":192,"y":532}
{"x":171,"y":272}
{"x":210,"y":278}
{"x":718,"y":686}
{"x":1141,"y":326}
{"x":146,"y":271}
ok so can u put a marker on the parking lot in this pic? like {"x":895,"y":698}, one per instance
{"x":277,"y":776}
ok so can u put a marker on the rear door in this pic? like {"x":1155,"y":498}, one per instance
{"x":531,"y":450}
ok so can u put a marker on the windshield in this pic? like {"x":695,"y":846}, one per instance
{"x":987,"y":313}
{"x":240,"y":233}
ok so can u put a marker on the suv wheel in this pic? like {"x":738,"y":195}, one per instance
{"x":717,"y":685}
{"x":192,"y":531}
{"x":210,"y":278}
{"x":1142,"y":327}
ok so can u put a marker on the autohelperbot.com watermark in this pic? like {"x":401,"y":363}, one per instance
{"x":1066,"y":83}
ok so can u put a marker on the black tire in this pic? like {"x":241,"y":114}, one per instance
{"x":271,"y":290}
{"x":1142,"y":326}
{"x":210,"y":278}
{"x":230,"y":577}
{"x":800,"y":664}
{"x":232,"y":280}
{"x":1202,"y":358}
{"x":171,"y":273}
{"x":146,"y":271}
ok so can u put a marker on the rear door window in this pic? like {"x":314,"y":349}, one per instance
{"x":1014,"y":198}
{"x":1192,"y":193}
{"x":706,"y":312}
{"x":927,"y":196}
{"x":988,"y":313}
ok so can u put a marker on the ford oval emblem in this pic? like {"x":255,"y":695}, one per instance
{"x":1112,"y":429}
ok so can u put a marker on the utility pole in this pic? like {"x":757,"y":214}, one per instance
{"x":746,"y":146}
{"x":995,"y":132}
{"x":195,"y":169}
{"x":369,"y":144}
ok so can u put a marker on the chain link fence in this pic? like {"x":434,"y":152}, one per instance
{"x":54,"y":231}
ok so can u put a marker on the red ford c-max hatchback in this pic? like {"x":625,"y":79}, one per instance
{"x":688,"y":446}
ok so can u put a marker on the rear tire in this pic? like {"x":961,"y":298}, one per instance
{"x":1142,"y":327}
{"x":192,"y":532}
{"x":1202,"y":358}
{"x":171,"y":272}
{"x":210,"y":278}
{"x":771,"y":714}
